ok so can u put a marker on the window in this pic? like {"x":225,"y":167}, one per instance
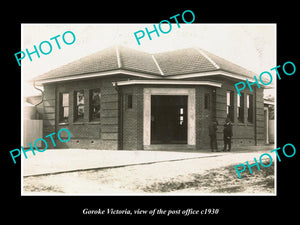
{"x":207,"y":101}
{"x":229,"y":109}
{"x":129,"y":101}
{"x":240,"y":107}
{"x":79,"y":106}
{"x":181,"y":118}
{"x":250,"y":108}
{"x":64,"y":107}
{"x":95,"y":107}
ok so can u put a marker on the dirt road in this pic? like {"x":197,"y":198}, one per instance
{"x":213,"y":174}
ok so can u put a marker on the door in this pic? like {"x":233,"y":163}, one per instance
{"x":168,"y":119}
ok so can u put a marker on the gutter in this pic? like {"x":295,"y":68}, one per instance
{"x":40,"y":91}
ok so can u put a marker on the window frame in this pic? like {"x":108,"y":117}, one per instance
{"x":240,"y":108}
{"x":91,"y":105}
{"x":129,"y":103}
{"x":250,"y":108}
{"x":61,"y":109}
{"x":76,"y":118}
{"x":207,"y":100}
{"x":230,"y":106}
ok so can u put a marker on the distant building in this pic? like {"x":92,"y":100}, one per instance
{"x":120,"y":98}
{"x":269,"y":119}
{"x":32,"y":121}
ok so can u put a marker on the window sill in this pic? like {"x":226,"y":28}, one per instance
{"x":78,"y":123}
{"x":94,"y":122}
{"x":244,"y":124}
{"x":62,"y":124}
{"x":81,"y":123}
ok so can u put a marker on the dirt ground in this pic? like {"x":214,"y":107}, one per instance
{"x":176,"y":177}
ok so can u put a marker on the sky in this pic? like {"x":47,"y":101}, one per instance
{"x":252,"y":46}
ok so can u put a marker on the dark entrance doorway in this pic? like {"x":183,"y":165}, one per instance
{"x":168,"y":119}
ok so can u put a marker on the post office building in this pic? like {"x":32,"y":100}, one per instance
{"x":124,"y":99}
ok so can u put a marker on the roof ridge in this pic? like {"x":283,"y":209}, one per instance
{"x":208,"y":58}
{"x":229,"y":61}
{"x":156,"y":63}
{"x":118,"y":56}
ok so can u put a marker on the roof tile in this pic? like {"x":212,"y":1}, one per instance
{"x":177,"y":62}
{"x":183,"y":61}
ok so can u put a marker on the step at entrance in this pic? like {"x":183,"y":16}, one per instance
{"x":169,"y":147}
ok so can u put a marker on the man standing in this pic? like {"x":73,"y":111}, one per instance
{"x":213,"y":126}
{"x":227,"y":135}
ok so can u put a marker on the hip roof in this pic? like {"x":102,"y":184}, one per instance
{"x":164,"y":65}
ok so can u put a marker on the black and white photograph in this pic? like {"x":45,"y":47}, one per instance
{"x":132,"y":112}
{"x":143,"y":109}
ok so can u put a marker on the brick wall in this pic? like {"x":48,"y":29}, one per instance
{"x":243,"y":133}
{"x":246,"y":132}
{"x":102,"y":134}
{"x":105,"y":133}
{"x":202,"y":117}
{"x":260,"y":128}
{"x":133,"y":118}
